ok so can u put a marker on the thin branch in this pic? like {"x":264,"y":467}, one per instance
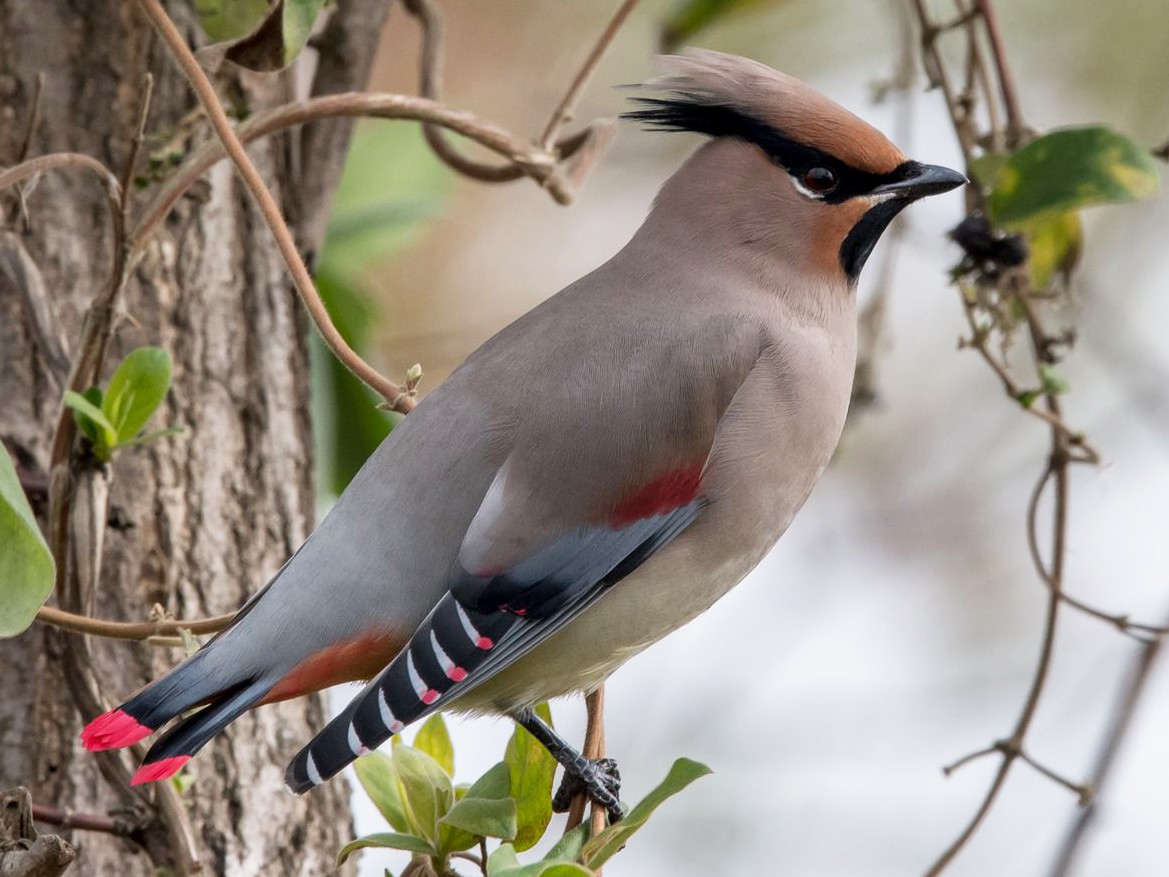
{"x":136,"y":143}
{"x":132,"y":630}
{"x":563,"y":113}
{"x":978,"y":341}
{"x":81,"y":821}
{"x":430,"y":86}
{"x":594,"y":748}
{"x":1015,"y":127}
{"x":536,"y":163}
{"x":33,"y":166}
{"x":1110,"y":747}
{"x":397,"y":398}
{"x":34,"y":117}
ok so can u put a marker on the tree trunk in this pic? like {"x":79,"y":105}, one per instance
{"x":197,"y":521}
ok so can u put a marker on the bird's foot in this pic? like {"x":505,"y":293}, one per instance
{"x":597,"y":778}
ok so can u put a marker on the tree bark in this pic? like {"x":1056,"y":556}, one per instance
{"x":201,"y":520}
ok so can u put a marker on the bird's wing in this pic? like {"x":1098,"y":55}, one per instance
{"x":559,"y":525}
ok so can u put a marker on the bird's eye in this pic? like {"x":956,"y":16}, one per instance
{"x":819,"y":180}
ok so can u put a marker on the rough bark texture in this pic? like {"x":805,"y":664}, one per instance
{"x":200,"y":520}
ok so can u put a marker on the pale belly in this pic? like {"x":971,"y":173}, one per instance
{"x":764,"y":464}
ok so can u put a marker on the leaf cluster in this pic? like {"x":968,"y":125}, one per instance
{"x":434,"y":819}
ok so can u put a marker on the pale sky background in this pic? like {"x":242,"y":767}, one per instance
{"x":895,"y":626}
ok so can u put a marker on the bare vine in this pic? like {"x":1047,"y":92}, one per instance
{"x":996,"y":300}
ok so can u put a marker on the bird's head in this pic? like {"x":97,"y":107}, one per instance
{"x":788,"y":170}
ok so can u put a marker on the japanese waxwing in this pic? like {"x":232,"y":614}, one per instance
{"x":598,"y":473}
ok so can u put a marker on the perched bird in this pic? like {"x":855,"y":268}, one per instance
{"x":598,"y":473}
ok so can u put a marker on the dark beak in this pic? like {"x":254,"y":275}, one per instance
{"x":921,"y":180}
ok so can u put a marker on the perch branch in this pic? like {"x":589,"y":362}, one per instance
{"x":132,"y":630}
{"x":81,"y":821}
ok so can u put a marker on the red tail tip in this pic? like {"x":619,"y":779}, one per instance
{"x":113,"y":730}
{"x":159,"y":770}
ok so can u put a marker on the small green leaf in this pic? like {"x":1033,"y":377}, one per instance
{"x":389,"y":841}
{"x":484,"y":817}
{"x":568,"y":848}
{"x":230,"y":19}
{"x":426,"y":790}
{"x":988,"y":169}
{"x":277,"y":39}
{"x":1052,"y":382}
{"x":608,"y":842}
{"x":503,"y":863}
{"x":377,"y":776}
{"x":691,"y":16}
{"x":433,"y":739}
{"x":487,"y":809}
{"x":299,"y":18}
{"x":93,"y":422}
{"x":1070,"y":169}
{"x":27,"y":570}
{"x":532,"y":771}
{"x":136,"y":390}
{"x":1027,"y":398}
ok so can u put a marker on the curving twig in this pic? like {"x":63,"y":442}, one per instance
{"x":397,"y":398}
{"x":133,"y":630}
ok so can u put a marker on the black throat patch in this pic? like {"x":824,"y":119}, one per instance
{"x":859,"y":242}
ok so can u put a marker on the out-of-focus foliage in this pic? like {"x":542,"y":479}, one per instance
{"x":390,"y":185}
{"x":691,"y":16}
{"x":259,"y":35}
{"x":433,"y":818}
{"x":26,"y":566}
{"x":1038,"y":190}
{"x":1070,"y":169}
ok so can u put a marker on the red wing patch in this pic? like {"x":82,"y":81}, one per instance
{"x":668,"y":491}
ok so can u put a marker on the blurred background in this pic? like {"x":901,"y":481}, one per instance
{"x":896,"y":625}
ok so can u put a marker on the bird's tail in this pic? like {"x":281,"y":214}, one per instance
{"x":193,"y":683}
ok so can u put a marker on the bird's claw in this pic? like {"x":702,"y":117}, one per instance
{"x":599,"y":779}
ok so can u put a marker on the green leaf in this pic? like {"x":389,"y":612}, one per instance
{"x":568,"y":848}
{"x":389,"y":841}
{"x":484,"y":817}
{"x":93,"y":422}
{"x":988,"y":169}
{"x":426,"y":790}
{"x":1070,"y":169}
{"x":230,"y":19}
{"x":484,"y":809}
{"x":27,"y":570}
{"x":433,"y":739}
{"x":278,"y":38}
{"x":608,"y":842}
{"x":503,"y":863}
{"x":532,"y":771}
{"x":377,"y":776}
{"x":1055,"y":245}
{"x":691,"y":16}
{"x":136,"y":390}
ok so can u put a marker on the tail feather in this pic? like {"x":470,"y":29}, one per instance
{"x":194,"y":682}
{"x":175,"y":748}
{"x":448,"y":646}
